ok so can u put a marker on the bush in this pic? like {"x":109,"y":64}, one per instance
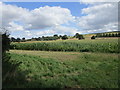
{"x":93,"y":37}
{"x":64,"y":37}
{"x":8,"y":69}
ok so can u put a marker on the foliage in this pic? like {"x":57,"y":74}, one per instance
{"x":106,"y":46}
{"x":93,"y":37}
{"x":108,"y":34}
{"x":5,"y":42}
{"x":8,"y":69}
{"x":79,"y":36}
{"x":64,"y":37}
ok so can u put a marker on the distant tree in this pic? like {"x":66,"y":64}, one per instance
{"x":110,"y":35}
{"x":55,"y":35}
{"x":113,"y":35}
{"x":81,"y":37}
{"x":13,"y":39}
{"x":64,"y":37}
{"x":18,"y":40}
{"x":103,"y":35}
{"x":116,"y":35}
{"x":119,"y":34}
{"x":23,"y":39}
{"x":60,"y":36}
{"x":77,"y":35}
{"x":106,"y":35}
{"x":39,"y":38}
{"x":93,"y":37}
{"x":98,"y":35}
{"x":5,"y":42}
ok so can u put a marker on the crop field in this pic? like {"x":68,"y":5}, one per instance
{"x":43,"y":69}
{"x":99,"y":45}
{"x":66,"y":64}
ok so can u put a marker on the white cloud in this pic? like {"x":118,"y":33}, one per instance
{"x":100,"y":17}
{"x":48,"y":16}
{"x":60,"y":30}
{"x":65,"y":30}
{"x":14,"y":27}
{"x":38,"y":18}
{"x":97,"y":1}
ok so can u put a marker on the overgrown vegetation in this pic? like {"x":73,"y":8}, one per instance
{"x":106,"y":46}
{"x":8,"y":68}
{"x":90,"y":70}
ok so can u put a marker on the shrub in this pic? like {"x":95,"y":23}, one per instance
{"x":93,"y":37}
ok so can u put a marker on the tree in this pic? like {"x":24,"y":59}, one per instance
{"x":8,"y":68}
{"x":116,"y":35}
{"x":60,"y":36}
{"x":18,"y":40}
{"x":55,"y":35}
{"x":103,"y":35}
{"x":13,"y":39}
{"x":5,"y":42}
{"x":110,"y":35}
{"x":106,"y":35}
{"x":119,"y":34}
{"x":81,"y":37}
{"x":113,"y":35}
{"x":23,"y":39}
{"x":77,"y":35}
{"x":64,"y":37}
{"x":93,"y":37}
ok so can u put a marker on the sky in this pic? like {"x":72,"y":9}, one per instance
{"x":37,"y":19}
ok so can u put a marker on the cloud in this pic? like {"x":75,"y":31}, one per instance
{"x":60,"y":30}
{"x":15,"y":27}
{"x":100,"y":17}
{"x":97,"y":17}
{"x":48,"y":16}
{"x":65,"y":30}
{"x":97,"y":1}
{"x":39,"y":18}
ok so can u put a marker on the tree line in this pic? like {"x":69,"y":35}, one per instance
{"x":106,"y":35}
{"x":47,"y":38}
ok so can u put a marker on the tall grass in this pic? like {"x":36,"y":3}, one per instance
{"x":90,"y":71}
{"x":108,"y":46}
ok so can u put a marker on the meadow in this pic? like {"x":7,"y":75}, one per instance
{"x":99,"y":45}
{"x":65,"y":64}
{"x":64,"y":70}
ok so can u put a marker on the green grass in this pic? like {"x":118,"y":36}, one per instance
{"x":83,"y":70}
{"x":103,"y":45}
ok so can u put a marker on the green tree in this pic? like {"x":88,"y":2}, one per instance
{"x":8,"y":68}
{"x":81,"y":37}
{"x":93,"y":37}
{"x":23,"y":39}
{"x":18,"y":40}
{"x":77,"y":35}
{"x":13,"y":39}
{"x":64,"y":37}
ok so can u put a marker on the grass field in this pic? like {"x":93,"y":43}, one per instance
{"x":66,"y":64}
{"x":100,"y":45}
{"x":65,"y":69}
